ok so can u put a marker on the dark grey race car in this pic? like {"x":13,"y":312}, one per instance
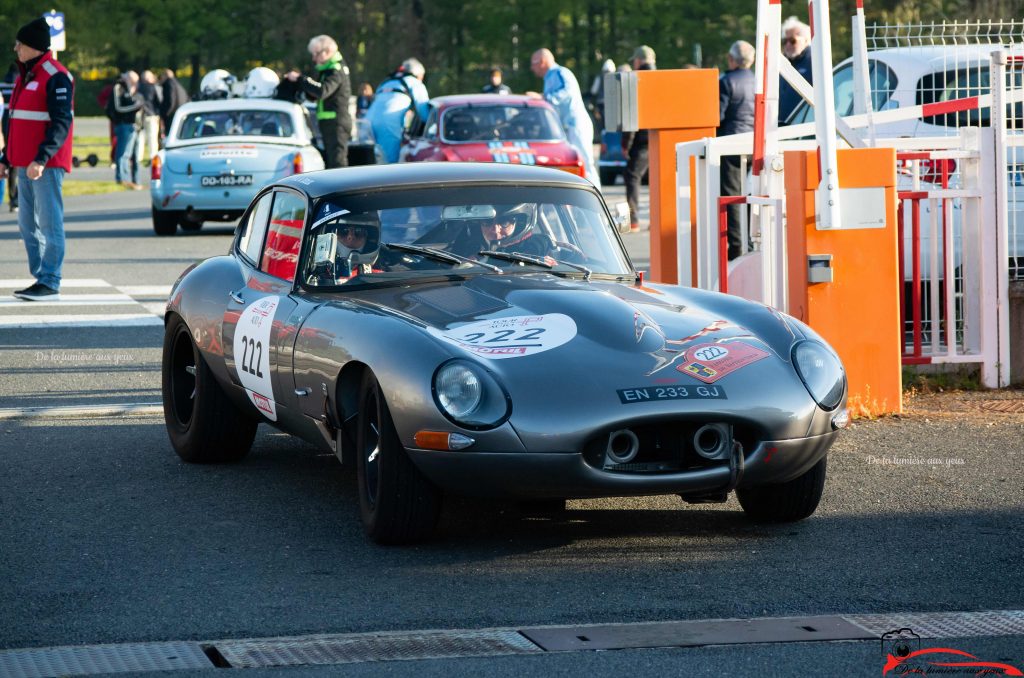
{"x":479,"y":329}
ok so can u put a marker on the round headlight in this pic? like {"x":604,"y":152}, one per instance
{"x":458,"y":390}
{"x":821,"y":372}
{"x":469,"y":395}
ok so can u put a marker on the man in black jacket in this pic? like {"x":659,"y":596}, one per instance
{"x":124,"y":110}
{"x":634,"y":146}
{"x":172,"y":98}
{"x":332,"y":90}
{"x":736,"y":114}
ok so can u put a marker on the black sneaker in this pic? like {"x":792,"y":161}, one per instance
{"x":37,"y":292}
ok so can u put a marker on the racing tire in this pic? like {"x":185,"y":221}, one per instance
{"x":397,"y":504}
{"x":786,"y":502}
{"x":165,"y":222}
{"x":204,"y":425}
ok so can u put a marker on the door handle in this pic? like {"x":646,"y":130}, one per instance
{"x":236,"y":297}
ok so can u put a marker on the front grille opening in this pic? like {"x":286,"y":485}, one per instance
{"x":666,"y":447}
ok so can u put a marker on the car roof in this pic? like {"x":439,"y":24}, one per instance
{"x":927,"y":57}
{"x":488,"y":100}
{"x":239,"y":104}
{"x":428,"y":174}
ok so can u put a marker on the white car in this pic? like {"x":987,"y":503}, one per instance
{"x":917,"y":75}
{"x":219,"y":153}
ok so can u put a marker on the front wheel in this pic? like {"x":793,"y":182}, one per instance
{"x":396,"y":502}
{"x":203,"y":424}
{"x":165,"y":222}
{"x":785,"y":502}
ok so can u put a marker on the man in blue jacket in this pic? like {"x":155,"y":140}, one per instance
{"x":796,"y":46}
{"x":403,"y":92}
{"x":562,"y":90}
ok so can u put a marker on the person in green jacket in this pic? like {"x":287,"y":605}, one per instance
{"x":332,"y":89}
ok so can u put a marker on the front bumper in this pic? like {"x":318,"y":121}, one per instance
{"x":568,"y":475}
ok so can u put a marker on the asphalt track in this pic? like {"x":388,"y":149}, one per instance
{"x":106,"y":538}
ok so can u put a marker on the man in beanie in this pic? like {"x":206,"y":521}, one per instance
{"x":39,"y":150}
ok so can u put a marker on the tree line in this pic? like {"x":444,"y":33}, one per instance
{"x":457,"y":40}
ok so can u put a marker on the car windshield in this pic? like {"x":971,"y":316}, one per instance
{"x":201,"y":124}
{"x":499,"y":123}
{"x":398,"y":235}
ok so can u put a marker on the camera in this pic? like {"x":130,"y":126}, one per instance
{"x":900,"y":643}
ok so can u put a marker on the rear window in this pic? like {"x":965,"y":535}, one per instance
{"x":500,"y":123}
{"x":236,"y":123}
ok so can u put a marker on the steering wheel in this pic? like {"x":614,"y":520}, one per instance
{"x":577,"y":255}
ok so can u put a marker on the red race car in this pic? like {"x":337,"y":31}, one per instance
{"x":492,"y":128}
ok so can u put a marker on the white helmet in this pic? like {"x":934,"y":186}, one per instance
{"x":261,"y":83}
{"x":216,"y":84}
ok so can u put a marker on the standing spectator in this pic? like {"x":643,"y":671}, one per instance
{"x":149,"y":135}
{"x":402,"y":93}
{"x":634,"y":146}
{"x":39,"y":148}
{"x":125,"y":110}
{"x":562,"y":91}
{"x":796,"y":46}
{"x":332,"y":89}
{"x":364,"y":99}
{"x":735,"y":114}
{"x":595,"y":103}
{"x":102,"y":99}
{"x":495,"y":85}
{"x":173,"y":96}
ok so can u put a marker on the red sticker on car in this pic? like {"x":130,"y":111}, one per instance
{"x":711,"y":362}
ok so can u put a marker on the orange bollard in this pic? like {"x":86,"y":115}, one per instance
{"x":858,"y":310}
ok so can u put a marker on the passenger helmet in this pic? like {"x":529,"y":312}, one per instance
{"x":261,"y":83}
{"x":216,"y":84}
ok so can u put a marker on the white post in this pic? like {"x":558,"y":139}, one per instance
{"x":826,"y":203}
{"x":998,"y":117}
{"x":861,"y":72}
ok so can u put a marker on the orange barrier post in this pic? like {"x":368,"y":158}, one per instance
{"x":675,"y":106}
{"x":844,"y":282}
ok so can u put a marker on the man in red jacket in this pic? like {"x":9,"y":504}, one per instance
{"x":39,"y":150}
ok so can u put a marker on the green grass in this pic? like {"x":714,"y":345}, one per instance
{"x":937,"y":379}
{"x":84,"y":187}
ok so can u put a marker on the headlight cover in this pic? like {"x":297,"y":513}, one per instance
{"x":821,"y":372}
{"x":469,"y":396}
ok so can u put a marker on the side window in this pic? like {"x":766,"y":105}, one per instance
{"x":842,"y":81}
{"x":281,"y":253}
{"x":955,"y":84}
{"x":253,"y":229}
{"x":431,"y":127}
{"x":883,"y":84}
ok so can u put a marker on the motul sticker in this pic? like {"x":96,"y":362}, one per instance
{"x":711,"y":362}
{"x":252,"y":354}
{"x":512,"y":337}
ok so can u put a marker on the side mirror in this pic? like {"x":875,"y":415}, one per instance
{"x":620,"y":215}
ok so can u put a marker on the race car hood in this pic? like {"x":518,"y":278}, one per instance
{"x":515,"y":152}
{"x":592,"y":350}
{"x":241,"y":157}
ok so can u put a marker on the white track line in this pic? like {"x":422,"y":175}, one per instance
{"x":146,"y":290}
{"x":67,"y":282}
{"x":62,"y":321}
{"x":72,"y":300}
{"x":81,"y":411}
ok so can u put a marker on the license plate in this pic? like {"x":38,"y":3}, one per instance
{"x":217,"y":180}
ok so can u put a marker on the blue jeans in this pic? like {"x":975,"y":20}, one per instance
{"x":41,"y":221}
{"x":124,"y":154}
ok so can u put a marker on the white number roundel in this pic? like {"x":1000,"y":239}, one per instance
{"x":511,"y":337}
{"x":252,"y":354}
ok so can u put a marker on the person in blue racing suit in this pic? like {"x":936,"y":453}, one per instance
{"x":562,"y":91}
{"x":403,"y":91}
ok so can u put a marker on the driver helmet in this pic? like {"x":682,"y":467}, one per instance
{"x":216,"y":84}
{"x":520,"y":215}
{"x":261,"y":83}
{"x":358,"y":243}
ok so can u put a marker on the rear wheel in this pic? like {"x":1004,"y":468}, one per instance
{"x":165,"y":222}
{"x":203,"y":424}
{"x":786,"y":502}
{"x":396,"y":502}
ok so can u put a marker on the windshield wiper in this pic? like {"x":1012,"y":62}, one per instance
{"x":440,"y":255}
{"x":538,"y":261}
